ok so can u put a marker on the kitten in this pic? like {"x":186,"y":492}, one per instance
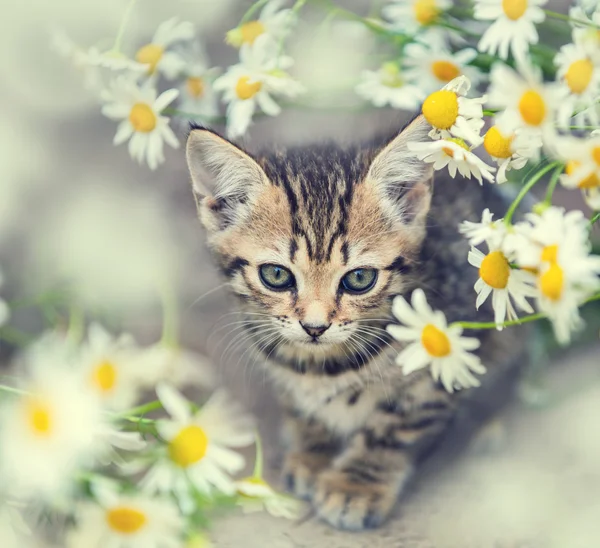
{"x":315,"y":242}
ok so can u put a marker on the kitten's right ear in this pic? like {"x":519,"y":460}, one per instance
{"x":224,"y":178}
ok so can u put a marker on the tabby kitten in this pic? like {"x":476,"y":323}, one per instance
{"x":316,"y":241}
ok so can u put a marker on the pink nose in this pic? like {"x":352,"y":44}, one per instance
{"x":314,"y":330}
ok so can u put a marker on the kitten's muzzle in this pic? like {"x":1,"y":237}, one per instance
{"x":314,"y":330}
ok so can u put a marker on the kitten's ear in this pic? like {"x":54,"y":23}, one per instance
{"x":224,"y":178}
{"x":402,"y":180}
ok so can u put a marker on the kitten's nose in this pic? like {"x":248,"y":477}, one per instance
{"x":314,"y":330}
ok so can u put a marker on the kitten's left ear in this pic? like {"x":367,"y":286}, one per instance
{"x":401,"y":179}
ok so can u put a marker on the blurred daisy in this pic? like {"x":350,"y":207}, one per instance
{"x":112,"y":367}
{"x":578,"y":71}
{"x":48,"y":432}
{"x":386,"y":86}
{"x":410,"y":16}
{"x":512,"y":151}
{"x":513,"y":27}
{"x":92,"y":73}
{"x":487,"y":230}
{"x":14,"y":532}
{"x":196,"y":93}
{"x":250,"y":84}
{"x":431,"y":342}
{"x":434,"y":66}
{"x":198,"y":446}
{"x":530,"y":104}
{"x":452,"y":114}
{"x":255,"y":494}
{"x":583,"y":167}
{"x":273,"y":21}
{"x":585,"y":31}
{"x":157,"y":55}
{"x":4,"y":308}
{"x":140,"y":109}
{"x":504,"y":283}
{"x":454,"y":154}
{"x":127,"y":522}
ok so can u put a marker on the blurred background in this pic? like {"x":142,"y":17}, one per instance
{"x":77,"y":212}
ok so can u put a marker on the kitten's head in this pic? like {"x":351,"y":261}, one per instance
{"x":316,"y":240}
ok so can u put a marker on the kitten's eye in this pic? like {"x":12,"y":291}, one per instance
{"x":360,"y":280}
{"x":276,"y":277}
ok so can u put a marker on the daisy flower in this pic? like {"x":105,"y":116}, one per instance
{"x":157,"y":55}
{"x":127,"y":522}
{"x":48,"y":432}
{"x":4,"y":308}
{"x":528,"y":102}
{"x":255,"y":494}
{"x":139,"y":110}
{"x":584,"y":31}
{"x":487,"y":230}
{"x":431,"y":342}
{"x":250,"y":84}
{"x":513,"y":27}
{"x":198,"y":455}
{"x":453,"y":115}
{"x":410,"y":16}
{"x":454,"y":154}
{"x":386,"y":86}
{"x":196,"y":93}
{"x":433,"y":65}
{"x":273,"y":20}
{"x":578,"y":71}
{"x":511,"y":151}
{"x":504,"y":283}
{"x":583,"y":167}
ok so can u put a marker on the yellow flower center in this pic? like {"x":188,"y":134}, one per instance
{"x":514,"y":9}
{"x":532,"y":108}
{"x":390,"y":75}
{"x":125,"y":520}
{"x":142,"y":118}
{"x":104,"y":376}
{"x":550,"y":253}
{"x":445,"y":70}
{"x":495,"y":270}
{"x":150,"y":54}
{"x":251,"y":31}
{"x":441,"y":109}
{"x":496,"y":144}
{"x":596,"y":155}
{"x":551,"y":282}
{"x":195,"y":86}
{"x":435,"y":341}
{"x":579,"y":75}
{"x":188,"y":446}
{"x":39,"y":417}
{"x":426,"y":11}
{"x":460,"y":142}
{"x":246,"y":90}
{"x":591,"y":181}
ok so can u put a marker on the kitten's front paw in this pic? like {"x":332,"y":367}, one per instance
{"x":348,"y":504}
{"x":300,"y":472}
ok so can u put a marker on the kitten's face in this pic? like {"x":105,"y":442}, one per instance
{"x":315,"y":243}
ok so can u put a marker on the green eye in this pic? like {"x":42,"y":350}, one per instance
{"x":360,"y":280}
{"x":276,"y":277}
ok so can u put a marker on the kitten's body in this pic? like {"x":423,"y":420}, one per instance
{"x":357,"y":425}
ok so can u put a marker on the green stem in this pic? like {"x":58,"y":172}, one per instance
{"x":464,"y":31}
{"x":121,"y":32}
{"x":563,"y":17}
{"x":141,"y":410}
{"x":252,"y":10}
{"x":11,"y":390}
{"x":491,"y":111}
{"x":170,"y":317}
{"x":585,"y":128}
{"x":552,"y":185}
{"x":526,"y":188}
{"x":510,"y":323}
{"x":259,"y":459}
{"x":595,"y":218}
{"x":14,"y":336}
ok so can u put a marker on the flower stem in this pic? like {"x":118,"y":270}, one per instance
{"x":595,"y":218}
{"x":564,"y":17}
{"x":510,"y":323}
{"x":252,"y":10}
{"x":14,"y":336}
{"x":11,"y":390}
{"x":135,"y":412}
{"x":259,"y":458}
{"x":121,"y":32}
{"x":490,"y":111}
{"x":552,"y":185}
{"x":526,"y":188}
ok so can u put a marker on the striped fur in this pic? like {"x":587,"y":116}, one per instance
{"x":357,"y":426}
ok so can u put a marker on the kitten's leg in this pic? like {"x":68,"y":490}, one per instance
{"x":312,"y":448}
{"x":364,"y":482}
